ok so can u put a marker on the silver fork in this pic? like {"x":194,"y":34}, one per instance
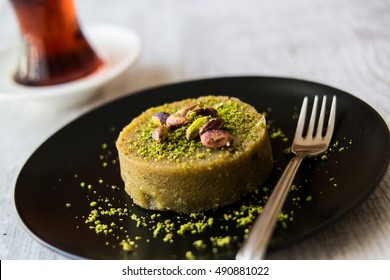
{"x":313,"y":143}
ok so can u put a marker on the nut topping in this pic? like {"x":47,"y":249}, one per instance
{"x":160,"y":134}
{"x":160,"y":118}
{"x":185,"y":110}
{"x":193,"y":130}
{"x":213,"y":124}
{"x":176,"y":120}
{"x":204,"y":111}
{"x":210,"y":131}
{"x":216,"y":138}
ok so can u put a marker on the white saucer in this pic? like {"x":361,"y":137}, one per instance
{"x":119,"y":47}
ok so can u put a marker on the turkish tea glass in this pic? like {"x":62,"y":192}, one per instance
{"x":54,"y":48}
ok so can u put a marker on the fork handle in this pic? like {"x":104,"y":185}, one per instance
{"x":256,"y":244}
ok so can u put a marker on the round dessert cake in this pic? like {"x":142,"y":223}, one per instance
{"x":195,"y":154}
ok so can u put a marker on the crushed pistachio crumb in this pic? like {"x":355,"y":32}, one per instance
{"x":190,"y":255}
{"x":221,"y":241}
{"x":168,"y":237}
{"x":176,"y":147}
{"x":126,"y":246}
{"x":199,"y":244}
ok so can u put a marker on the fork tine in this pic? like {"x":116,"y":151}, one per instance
{"x":301,"y":119}
{"x":313,"y":115}
{"x":320,"y":126}
{"x":331,"y":122}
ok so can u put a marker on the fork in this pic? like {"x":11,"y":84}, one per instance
{"x":311,"y":143}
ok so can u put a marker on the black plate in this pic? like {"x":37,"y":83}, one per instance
{"x":53,"y":204}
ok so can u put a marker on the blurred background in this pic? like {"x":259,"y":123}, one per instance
{"x":341,"y":43}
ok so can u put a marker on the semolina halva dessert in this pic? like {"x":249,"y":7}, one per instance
{"x":195,"y":154}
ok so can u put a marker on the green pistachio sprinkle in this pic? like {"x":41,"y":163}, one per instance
{"x":221,"y":241}
{"x":190,"y":255}
{"x":199,"y":244}
{"x":126,"y":246}
{"x":177,"y":148}
{"x":278,"y":134}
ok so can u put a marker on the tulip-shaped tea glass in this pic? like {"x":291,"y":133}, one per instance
{"x":54,"y":49}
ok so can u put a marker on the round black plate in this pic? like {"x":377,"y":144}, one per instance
{"x":53,"y":200}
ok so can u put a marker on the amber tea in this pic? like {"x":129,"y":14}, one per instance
{"x":55,"y":49}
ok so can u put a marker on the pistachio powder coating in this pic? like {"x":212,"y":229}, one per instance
{"x":210,"y":152}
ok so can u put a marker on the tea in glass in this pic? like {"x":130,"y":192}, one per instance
{"x":55,"y":49}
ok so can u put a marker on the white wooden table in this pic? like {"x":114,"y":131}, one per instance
{"x":342,"y":43}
